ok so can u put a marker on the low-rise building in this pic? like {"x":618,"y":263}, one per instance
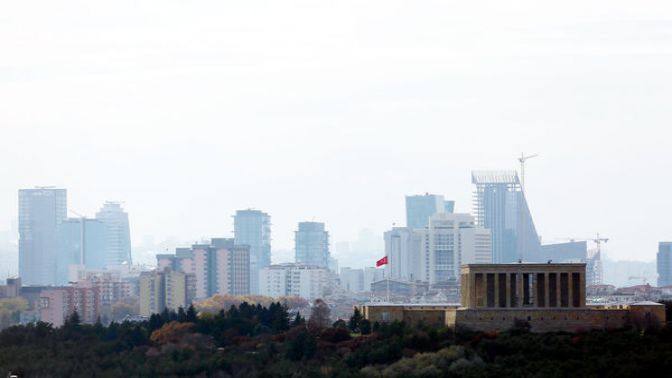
{"x":399,"y":288}
{"x":11,"y":289}
{"x":112,"y":288}
{"x":57,"y":303}
{"x":282,"y":280}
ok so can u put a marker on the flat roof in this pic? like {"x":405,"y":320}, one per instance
{"x":526,"y":264}
{"x":387,"y":304}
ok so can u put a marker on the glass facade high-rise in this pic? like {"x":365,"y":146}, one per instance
{"x":420,"y":207}
{"x":253,"y":228}
{"x":312,"y":244}
{"x":40,"y":211}
{"x":500,"y":206}
{"x":664,"y":262}
{"x":80,"y":243}
{"x":117,"y":235}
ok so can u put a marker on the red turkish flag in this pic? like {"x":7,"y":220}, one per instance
{"x":382,"y":261}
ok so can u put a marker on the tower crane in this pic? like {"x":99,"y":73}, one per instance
{"x":644,"y":280}
{"x":522,"y":159}
{"x":595,"y":261}
{"x":597,"y":240}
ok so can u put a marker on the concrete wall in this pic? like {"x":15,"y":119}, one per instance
{"x":555,"y":320}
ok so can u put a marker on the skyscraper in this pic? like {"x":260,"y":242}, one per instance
{"x":40,"y":211}
{"x":117,"y":234}
{"x":312,"y":244}
{"x":664,"y":262}
{"x":420,"y":207}
{"x":80,"y":244}
{"x":500,"y":206}
{"x":253,"y":228}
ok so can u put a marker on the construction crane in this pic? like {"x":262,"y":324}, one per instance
{"x":597,"y":240}
{"x":594,"y":268}
{"x":644,"y":279}
{"x":522,"y":159}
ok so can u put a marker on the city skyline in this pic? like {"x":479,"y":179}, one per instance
{"x":288,"y":251}
{"x":352,"y":116}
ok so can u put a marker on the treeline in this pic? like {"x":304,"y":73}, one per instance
{"x":266,"y":341}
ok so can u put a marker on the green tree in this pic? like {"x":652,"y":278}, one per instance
{"x":298,"y":320}
{"x":354,"y":321}
{"x":192,"y":317}
{"x":319,"y":315}
{"x":365,"y":326}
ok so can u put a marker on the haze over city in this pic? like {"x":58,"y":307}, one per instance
{"x":311,"y":188}
{"x":335,"y":111}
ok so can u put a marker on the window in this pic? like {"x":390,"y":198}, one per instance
{"x":386,"y":316}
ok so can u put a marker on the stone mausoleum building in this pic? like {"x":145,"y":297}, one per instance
{"x":549,"y":297}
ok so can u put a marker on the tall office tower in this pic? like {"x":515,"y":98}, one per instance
{"x":253,"y":228}
{"x":286,"y":280}
{"x":449,"y":241}
{"x":500,"y":206}
{"x":117,"y":235}
{"x":419,"y":208}
{"x":403,"y":247}
{"x":40,"y":211}
{"x":664,"y":262}
{"x":220,"y":267}
{"x":312,"y":244}
{"x":80,"y":244}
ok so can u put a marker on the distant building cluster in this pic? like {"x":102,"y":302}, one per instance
{"x":53,"y":247}
{"x":220,"y":267}
{"x":68,"y":262}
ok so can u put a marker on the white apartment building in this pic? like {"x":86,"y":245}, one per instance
{"x":282,"y":280}
{"x":449,"y":241}
{"x":352,"y":280}
{"x":403,"y":247}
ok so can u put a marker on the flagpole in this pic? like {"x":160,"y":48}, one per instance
{"x":388,"y":286}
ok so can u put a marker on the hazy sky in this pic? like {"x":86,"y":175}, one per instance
{"x":334,"y":110}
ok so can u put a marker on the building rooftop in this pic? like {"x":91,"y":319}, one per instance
{"x":384,"y":304}
{"x":494,"y":177}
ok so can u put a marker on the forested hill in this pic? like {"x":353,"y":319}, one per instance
{"x":256,"y":341}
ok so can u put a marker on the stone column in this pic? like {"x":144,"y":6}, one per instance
{"x":582,"y":287}
{"x":558,"y":291}
{"x":547,"y":295}
{"x":471,"y":299}
{"x":519,"y":289}
{"x":570,"y":297}
{"x":508,"y":290}
{"x":497,"y":288}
